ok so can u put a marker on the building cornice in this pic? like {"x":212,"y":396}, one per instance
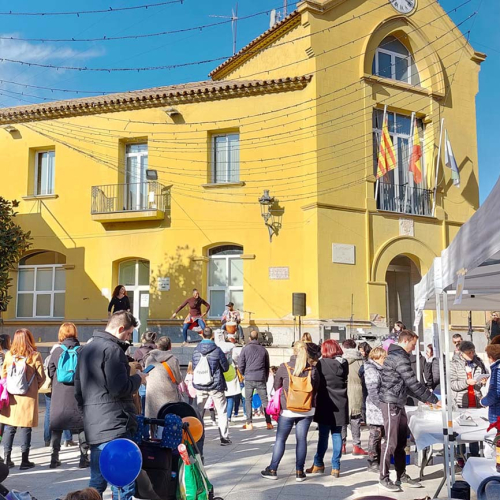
{"x":152,"y":98}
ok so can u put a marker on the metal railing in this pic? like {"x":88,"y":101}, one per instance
{"x":405,"y":199}
{"x":130,"y":197}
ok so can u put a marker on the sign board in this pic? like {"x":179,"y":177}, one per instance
{"x":163,"y":284}
{"x":279,"y":273}
{"x":343,"y":254}
{"x":145,"y":300}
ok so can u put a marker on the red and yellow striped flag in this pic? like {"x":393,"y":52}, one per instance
{"x":416,"y":154}
{"x":386,"y":155}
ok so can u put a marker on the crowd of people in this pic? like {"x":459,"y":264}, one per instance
{"x":96,"y":391}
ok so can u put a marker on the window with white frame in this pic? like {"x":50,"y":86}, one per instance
{"x":44,"y":172}
{"x":136,"y":187}
{"x":41,"y":286}
{"x":393,"y":60}
{"x":225,"y":279}
{"x":225,"y":158}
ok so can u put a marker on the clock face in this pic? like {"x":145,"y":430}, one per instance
{"x":404,"y":6}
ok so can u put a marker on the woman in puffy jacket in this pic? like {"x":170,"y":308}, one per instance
{"x":374,"y":418}
{"x":64,"y":410}
{"x":332,"y":406}
{"x":22,"y":411}
{"x":297,"y":368}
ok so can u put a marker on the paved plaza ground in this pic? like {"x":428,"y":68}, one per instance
{"x":234,"y":470}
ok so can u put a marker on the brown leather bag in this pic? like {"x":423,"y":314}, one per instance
{"x":299,"y":396}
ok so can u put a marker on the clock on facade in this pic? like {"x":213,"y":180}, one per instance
{"x":404,"y":6}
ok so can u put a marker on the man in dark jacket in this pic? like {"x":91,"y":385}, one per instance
{"x":218,"y":364}
{"x":398,"y":378}
{"x":254,"y":365}
{"x":103,"y":389}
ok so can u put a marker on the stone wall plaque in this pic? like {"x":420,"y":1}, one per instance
{"x":406,"y":227}
{"x":163,"y":284}
{"x":343,"y":254}
{"x":279,"y":273}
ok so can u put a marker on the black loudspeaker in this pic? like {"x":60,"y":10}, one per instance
{"x":299,"y":304}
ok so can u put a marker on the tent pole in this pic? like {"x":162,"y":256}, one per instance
{"x":447,"y":472}
{"x":437,"y":168}
{"x":448,"y":387}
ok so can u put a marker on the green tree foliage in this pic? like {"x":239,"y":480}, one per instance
{"x":13,"y":244}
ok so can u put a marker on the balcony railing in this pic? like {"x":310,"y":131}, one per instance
{"x":130,"y":197}
{"x":405,"y":199}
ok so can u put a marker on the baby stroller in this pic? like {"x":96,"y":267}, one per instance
{"x":164,"y":475}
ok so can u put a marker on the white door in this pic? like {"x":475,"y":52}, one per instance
{"x":136,"y":195}
{"x":134,"y":276}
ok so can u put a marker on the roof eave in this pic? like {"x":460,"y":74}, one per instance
{"x":228,"y":91}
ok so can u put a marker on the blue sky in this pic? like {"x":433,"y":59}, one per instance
{"x":209,"y":43}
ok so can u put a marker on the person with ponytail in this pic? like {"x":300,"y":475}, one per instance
{"x":299,"y":382}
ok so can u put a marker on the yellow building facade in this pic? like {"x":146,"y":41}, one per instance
{"x":159,"y":189}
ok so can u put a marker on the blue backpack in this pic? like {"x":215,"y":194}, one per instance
{"x":66,"y":367}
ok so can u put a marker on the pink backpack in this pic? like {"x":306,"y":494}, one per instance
{"x":274,"y":406}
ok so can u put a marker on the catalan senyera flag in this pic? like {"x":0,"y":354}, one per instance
{"x":386,"y":155}
{"x":416,"y":153}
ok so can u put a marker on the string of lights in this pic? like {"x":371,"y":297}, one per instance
{"x":136,"y":36}
{"x":248,"y":132}
{"x":64,"y":129}
{"x":85,"y":12}
{"x":180,"y":65}
{"x":320,"y":31}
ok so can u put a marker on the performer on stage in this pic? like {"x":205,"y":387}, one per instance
{"x":195,"y":302}
{"x":231,"y":320}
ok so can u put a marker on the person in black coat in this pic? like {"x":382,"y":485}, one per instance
{"x":332,"y":406}
{"x":65,"y":413}
{"x":104,"y":389}
{"x":398,"y":379}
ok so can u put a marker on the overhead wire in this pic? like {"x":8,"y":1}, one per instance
{"x":323,"y":53}
{"x":137,"y":36}
{"x":268,"y":168}
{"x":84,"y":12}
{"x":357,"y":83}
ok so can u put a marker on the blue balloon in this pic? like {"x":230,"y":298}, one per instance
{"x":120,"y":462}
{"x":256,"y":402}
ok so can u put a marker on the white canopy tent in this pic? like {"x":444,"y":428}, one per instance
{"x":474,"y":257}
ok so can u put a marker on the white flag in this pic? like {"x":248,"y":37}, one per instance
{"x":450,"y":162}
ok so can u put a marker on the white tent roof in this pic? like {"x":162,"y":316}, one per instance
{"x":475,"y":249}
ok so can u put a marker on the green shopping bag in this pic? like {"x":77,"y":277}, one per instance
{"x":193,"y":480}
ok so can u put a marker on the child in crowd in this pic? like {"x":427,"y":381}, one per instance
{"x":188,"y":380}
{"x":85,"y":494}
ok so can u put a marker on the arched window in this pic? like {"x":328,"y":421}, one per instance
{"x":225,"y":279}
{"x":393,"y":60}
{"x":41,"y":285}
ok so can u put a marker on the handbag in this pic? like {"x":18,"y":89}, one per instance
{"x":274,"y":406}
{"x":47,"y":385}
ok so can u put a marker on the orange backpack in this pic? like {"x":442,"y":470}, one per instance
{"x":299,"y":396}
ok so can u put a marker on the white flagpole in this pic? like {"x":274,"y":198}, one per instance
{"x":410,"y":151}
{"x":377,"y":186}
{"x":437,"y":168}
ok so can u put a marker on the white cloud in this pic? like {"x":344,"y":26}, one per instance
{"x":41,"y":53}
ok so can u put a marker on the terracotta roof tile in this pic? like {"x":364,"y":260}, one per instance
{"x":151,"y":97}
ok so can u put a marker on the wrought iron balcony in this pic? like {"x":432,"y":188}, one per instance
{"x":130,"y":201}
{"x":405,"y":199}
